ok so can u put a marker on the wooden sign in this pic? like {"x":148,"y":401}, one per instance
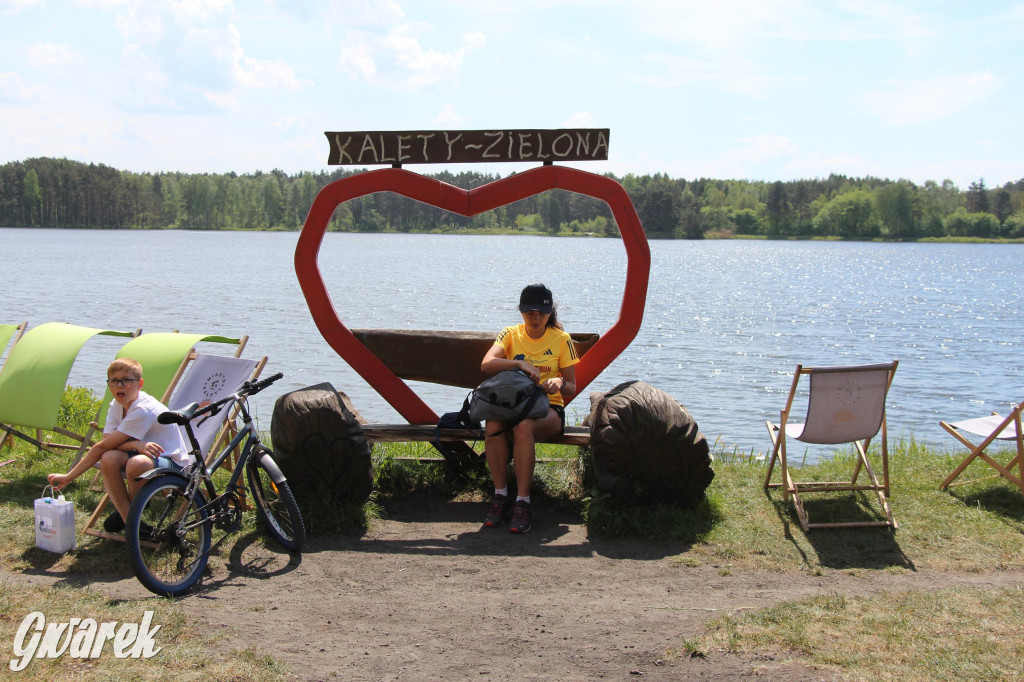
{"x":467,"y":146}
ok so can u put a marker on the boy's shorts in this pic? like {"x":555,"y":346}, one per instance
{"x":161,"y":462}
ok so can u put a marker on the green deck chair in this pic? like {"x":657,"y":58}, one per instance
{"x":33,"y":378}
{"x":8,"y":331}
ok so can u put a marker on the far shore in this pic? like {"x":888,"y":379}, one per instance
{"x":539,"y":233}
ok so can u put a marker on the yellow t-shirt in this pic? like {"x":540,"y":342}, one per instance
{"x":550,"y":353}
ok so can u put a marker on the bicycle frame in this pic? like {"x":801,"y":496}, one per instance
{"x":204,"y":473}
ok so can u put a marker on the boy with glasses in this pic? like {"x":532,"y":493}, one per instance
{"x":133,"y":442}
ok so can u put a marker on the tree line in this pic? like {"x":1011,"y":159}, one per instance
{"x":51,"y":192}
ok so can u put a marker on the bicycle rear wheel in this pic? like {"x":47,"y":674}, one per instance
{"x":276,"y":504}
{"x":168,"y":536}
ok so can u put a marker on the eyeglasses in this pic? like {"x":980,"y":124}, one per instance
{"x":115,"y":383}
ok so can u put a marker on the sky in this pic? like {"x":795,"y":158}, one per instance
{"x":727,"y":89}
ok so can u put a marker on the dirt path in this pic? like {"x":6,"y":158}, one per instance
{"x":431,"y":594}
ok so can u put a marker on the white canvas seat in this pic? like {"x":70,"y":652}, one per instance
{"x":989,"y":429}
{"x":844,"y":405}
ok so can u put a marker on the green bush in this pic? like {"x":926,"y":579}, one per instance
{"x":78,"y":407}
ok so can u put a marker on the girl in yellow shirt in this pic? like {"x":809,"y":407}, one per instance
{"x":544,"y":351}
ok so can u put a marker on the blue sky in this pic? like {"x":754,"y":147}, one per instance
{"x":740,"y":89}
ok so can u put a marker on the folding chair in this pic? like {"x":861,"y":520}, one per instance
{"x":7,"y":331}
{"x":33,"y":378}
{"x":844,"y":405}
{"x":164,"y":357}
{"x":990,"y":429}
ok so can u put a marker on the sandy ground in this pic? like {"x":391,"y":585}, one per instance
{"x":431,"y":594}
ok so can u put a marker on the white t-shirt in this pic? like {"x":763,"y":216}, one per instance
{"x":140,"y":424}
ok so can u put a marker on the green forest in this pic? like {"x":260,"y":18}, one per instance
{"x":50,"y":192}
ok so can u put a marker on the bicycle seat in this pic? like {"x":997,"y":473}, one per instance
{"x":179,"y":417}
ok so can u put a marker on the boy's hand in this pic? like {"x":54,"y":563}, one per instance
{"x":152,"y":449}
{"x":58,"y":481}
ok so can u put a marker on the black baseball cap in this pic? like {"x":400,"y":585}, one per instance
{"x":535,"y":297}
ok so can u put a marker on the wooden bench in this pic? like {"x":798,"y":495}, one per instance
{"x":451,"y":358}
{"x":404,"y":433}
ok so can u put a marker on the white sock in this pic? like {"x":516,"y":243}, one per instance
{"x":524,"y":499}
{"x":503,"y":491}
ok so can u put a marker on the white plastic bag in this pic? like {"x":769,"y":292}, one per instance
{"x":55,"y":523}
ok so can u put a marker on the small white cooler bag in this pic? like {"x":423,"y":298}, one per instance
{"x":55,"y":522}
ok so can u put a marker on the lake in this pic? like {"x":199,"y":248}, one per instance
{"x":726,"y":321}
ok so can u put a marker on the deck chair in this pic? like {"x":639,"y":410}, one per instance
{"x":33,"y":378}
{"x":7,"y":332}
{"x":990,"y":429}
{"x":208,"y":377}
{"x":164,"y":357}
{"x":845,"y":405}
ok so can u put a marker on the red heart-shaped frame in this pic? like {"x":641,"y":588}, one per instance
{"x":468,"y":203}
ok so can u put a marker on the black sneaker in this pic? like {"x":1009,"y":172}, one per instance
{"x":522,"y":518}
{"x":113,"y":523}
{"x":498,"y":513}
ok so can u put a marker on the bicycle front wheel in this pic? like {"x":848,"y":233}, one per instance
{"x":276,"y":504}
{"x":168,"y":536}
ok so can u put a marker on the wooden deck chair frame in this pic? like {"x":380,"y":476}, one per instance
{"x":990,"y":429}
{"x":167,"y":347}
{"x":33,"y":379}
{"x":834,"y":409}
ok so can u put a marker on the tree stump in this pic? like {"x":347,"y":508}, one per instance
{"x":646,"y":447}
{"x":320,"y":448}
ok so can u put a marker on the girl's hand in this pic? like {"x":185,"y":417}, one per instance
{"x":531,"y":371}
{"x":552,"y":386}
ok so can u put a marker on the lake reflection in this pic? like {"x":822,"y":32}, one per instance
{"x":726,"y":322}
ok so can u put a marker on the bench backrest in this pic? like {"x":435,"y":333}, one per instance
{"x":451,"y":358}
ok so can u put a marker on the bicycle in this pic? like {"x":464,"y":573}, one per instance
{"x":171,"y":518}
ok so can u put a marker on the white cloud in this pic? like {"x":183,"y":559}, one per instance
{"x":448,"y":117}
{"x":12,"y":89}
{"x":904,"y":103}
{"x":733,"y":73}
{"x":746,"y":157}
{"x":357,"y":60}
{"x":741,"y":45}
{"x":11,"y":6}
{"x":184,"y":54}
{"x":579,"y":119}
{"x":396,"y":58}
{"x":50,"y":55}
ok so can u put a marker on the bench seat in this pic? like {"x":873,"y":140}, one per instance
{"x":400,"y":433}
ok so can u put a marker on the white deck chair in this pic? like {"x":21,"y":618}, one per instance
{"x":208,"y":378}
{"x":844,"y":405}
{"x":990,"y":429}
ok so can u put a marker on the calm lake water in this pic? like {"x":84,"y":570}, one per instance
{"x":726,"y":322}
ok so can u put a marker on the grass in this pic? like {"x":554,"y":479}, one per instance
{"x":951,"y":634}
{"x":187,"y":652}
{"x":738,"y":527}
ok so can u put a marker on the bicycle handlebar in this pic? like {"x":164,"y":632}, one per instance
{"x":249,"y":388}
{"x":190,"y":412}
